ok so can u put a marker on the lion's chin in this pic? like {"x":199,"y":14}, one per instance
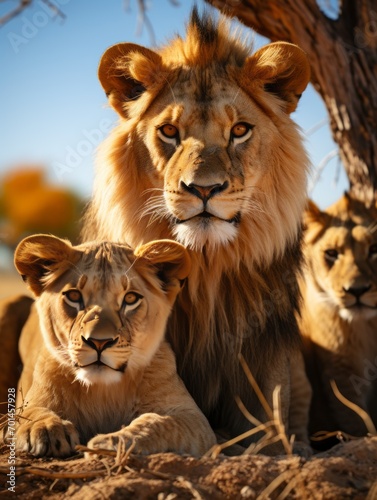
{"x":198,"y":232}
{"x":98,"y":375}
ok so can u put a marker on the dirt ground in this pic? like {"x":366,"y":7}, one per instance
{"x":348,"y":471}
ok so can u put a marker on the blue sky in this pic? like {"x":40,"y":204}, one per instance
{"x":54,"y":112}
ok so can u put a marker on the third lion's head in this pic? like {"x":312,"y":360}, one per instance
{"x":341,"y":253}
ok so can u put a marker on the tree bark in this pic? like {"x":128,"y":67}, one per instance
{"x":343,"y":59}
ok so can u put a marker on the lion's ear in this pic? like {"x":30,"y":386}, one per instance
{"x":125,"y":71}
{"x":38,"y":255}
{"x":282,"y":69}
{"x":171,"y":259}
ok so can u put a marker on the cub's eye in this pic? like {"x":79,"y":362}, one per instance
{"x":132,"y":300}
{"x":373,"y":250}
{"x":74,"y":299}
{"x":169,"y":133}
{"x":331,"y":254}
{"x":240,"y":132}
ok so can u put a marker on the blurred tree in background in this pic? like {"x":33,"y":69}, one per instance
{"x":29,"y":204}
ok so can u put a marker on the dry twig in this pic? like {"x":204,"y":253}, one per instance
{"x":362,"y":413}
{"x":274,"y":428}
{"x":38,"y":471}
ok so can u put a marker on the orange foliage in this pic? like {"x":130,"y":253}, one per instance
{"x":30,"y":204}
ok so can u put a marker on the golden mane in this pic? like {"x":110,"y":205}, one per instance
{"x":206,"y":43}
{"x":242,"y":290}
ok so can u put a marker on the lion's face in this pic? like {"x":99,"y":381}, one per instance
{"x":341,"y":248}
{"x":103,"y":308}
{"x":209,"y":160}
{"x":205,"y":151}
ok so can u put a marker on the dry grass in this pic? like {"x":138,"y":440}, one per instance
{"x":291,"y":480}
{"x":341,"y":435}
{"x":274,"y":429}
{"x":359,"y":411}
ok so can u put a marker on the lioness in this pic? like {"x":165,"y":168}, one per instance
{"x":97,"y":360}
{"x":206,"y":153}
{"x":339,"y":315}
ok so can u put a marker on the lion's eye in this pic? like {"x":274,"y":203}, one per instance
{"x":132,"y":300}
{"x":373,"y":250}
{"x":169,"y":133}
{"x":240,"y":132}
{"x":74,"y":299}
{"x":331,"y":254}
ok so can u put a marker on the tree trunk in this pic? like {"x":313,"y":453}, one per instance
{"x":343,"y":59}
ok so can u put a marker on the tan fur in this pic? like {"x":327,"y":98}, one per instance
{"x":339,"y":329}
{"x":96,"y":368}
{"x":245,"y":248}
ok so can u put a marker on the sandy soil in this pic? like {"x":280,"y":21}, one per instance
{"x":348,"y":471}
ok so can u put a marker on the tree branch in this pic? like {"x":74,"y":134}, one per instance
{"x":15,"y":12}
{"x":27,"y":3}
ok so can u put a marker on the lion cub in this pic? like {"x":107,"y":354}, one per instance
{"x":97,"y":362}
{"x":339,"y":315}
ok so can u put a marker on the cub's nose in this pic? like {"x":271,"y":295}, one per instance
{"x":99,"y":345}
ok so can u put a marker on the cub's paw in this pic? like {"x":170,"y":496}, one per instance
{"x":47,"y":437}
{"x":114,"y":440}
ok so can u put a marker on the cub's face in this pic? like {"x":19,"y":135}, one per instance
{"x":342,"y":256}
{"x":108,"y":314}
{"x":103,"y":308}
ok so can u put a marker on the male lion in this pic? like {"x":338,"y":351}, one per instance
{"x":206,"y":153}
{"x":339,"y":314}
{"x":97,"y":360}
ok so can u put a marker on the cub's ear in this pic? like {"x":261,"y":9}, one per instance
{"x":170,"y":258}
{"x":125,"y":71}
{"x":282,"y":69}
{"x":313,"y":216}
{"x":314,"y":220}
{"x":39,"y":255}
{"x":312,"y":213}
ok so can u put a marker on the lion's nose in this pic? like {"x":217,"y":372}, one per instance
{"x":99,"y":345}
{"x":204,"y":193}
{"x":357,"y":291}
